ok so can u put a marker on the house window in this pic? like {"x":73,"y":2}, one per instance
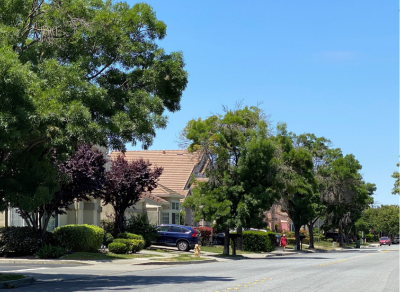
{"x":165,"y":218}
{"x":175,"y":206}
{"x":175,"y":218}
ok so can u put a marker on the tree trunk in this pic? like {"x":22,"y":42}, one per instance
{"x":240,"y":238}
{"x":310,"y":226}
{"x":226,"y":242}
{"x":119,"y":221}
{"x":340,"y":235}
{"x":297,"y":235}
{"x":6,"y":219}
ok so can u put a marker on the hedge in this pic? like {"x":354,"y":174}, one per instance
{"x":84,"y":237}
{"x":127,"y":235}
{"x":117,"y":247}
{"x":258,"y":241}
{"x":292,"y":241}
{"x":23,"y":240}
{"x":133,"y":242}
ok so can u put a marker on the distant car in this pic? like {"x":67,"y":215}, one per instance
{"x":183,"y":237}
{"x":395,"y":239}
{"x":384,"y":241}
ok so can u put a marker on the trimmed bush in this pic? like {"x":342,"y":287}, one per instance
{"x":130,"y":236}
{"x":140,"y":225}
{"x":23,"y":240}
{"x":205,"y":234}
{"x":117,"y":247}
{"x":138,"y":245}
{"x":258,"y":241}
{"x":107,"y":239}
{"x":84,"y":237}
{"x":330,"y":240}
{"x":127,"y":242}
{"x":50,"y":252}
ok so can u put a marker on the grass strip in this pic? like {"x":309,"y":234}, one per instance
{"x":219,"y":249}
{"x":96,"y":256}
{"x":182,"y":258}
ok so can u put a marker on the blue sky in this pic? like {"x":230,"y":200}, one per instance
{"x":328,"y":68}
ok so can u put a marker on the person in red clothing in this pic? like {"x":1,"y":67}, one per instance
{"x":283,"y":241}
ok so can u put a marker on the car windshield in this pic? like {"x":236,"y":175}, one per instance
{"x":384,"y":238}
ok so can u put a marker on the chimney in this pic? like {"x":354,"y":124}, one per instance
{"x":163,"y":152}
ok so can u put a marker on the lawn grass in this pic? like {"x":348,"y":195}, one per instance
{"x":160,"y":250}
{"x":182,"y":258}
{"x":219,"y":249}
{"x":9,"y":277}
{"x":96,"y":256}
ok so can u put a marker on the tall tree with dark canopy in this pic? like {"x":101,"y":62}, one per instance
{"x":75,"y":72}
{"x":79,"y":177}
{"x":299,"y":190}
{"x":126,"y":181}
{"x":241,"y":169}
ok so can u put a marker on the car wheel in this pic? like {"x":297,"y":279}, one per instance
{"x":183,"y":245}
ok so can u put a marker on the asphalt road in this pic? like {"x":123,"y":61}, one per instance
{"x":364,"y":270}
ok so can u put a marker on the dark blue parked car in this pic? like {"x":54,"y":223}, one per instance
{"x":183,"y":237}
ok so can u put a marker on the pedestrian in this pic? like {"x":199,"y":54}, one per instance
{"x":283,"y":241}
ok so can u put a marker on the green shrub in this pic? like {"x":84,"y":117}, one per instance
{"x":117,"y":247}
{"x":292,"y":241}
{"x":138,"y":245}
{"x":370,"y":237}
{"x":127,"y":242}
{"x":127,"y":235}
{"x":50,"y":252}
{"x":80,"y":238}
{"x":107,"y":239}
{"x":258,"y":241}
{"x":109,"y":227}
{"x":140,"y":225}
{"x":23,"y":240}
{"x":329,"y":240}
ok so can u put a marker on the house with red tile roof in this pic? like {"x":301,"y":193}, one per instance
{"x":162,"y":205}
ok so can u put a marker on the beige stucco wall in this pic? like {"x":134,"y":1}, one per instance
{"x":2,"y":219}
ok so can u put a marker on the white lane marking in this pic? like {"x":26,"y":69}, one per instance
{"x":24,"y":270}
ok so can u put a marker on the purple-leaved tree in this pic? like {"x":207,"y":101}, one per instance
{"x":125,"y":183}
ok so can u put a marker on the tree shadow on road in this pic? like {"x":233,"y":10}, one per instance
{"x":117,"y":283}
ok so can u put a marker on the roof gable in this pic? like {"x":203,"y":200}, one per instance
{"x":178,"y":166}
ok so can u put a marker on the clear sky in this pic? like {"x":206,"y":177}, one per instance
{"x":325,"y":67}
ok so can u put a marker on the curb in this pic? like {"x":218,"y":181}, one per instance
{"x":16,"y":283}
{"x":40,"y":262}
{"x":175,"y":263}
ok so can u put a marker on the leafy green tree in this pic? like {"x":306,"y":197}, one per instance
{"x":299,"y":190}
{"x":396,"y":176}
{"x":380,"y":220}
{"x":241,"y":169}
{"x":345,"y":194}
{"x":319,"y":148}
{"x":75,"y":72}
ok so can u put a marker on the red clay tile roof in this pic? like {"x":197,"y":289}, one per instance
{"x":152,"y":197}
{"x":178,"y":166}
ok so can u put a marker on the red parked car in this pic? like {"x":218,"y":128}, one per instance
{"x":384,"y":240}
